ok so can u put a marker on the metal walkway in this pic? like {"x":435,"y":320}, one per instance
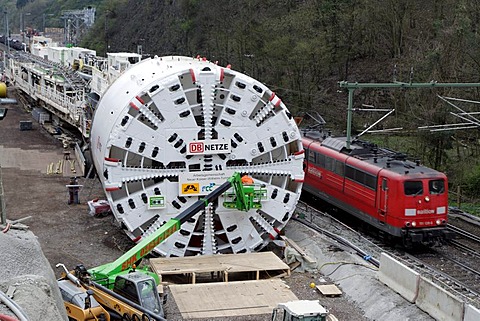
{"x":55,"y":87}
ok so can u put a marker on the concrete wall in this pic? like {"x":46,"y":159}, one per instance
{"x":431,"y":298}
{"x":437,"y":302}
{"x":398,"y":277}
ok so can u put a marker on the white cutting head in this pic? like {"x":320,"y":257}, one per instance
{"x":170,"y":129}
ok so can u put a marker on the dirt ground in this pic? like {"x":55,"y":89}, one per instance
{"x":68,"y":234}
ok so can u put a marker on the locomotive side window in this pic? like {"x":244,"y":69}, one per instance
{"x":339,"y":168}
{"x":311,"y":156}
{"x":350,"y":172}
{"x":321,"y":160}
{"x":436,"y":186}
{"x":371,"y":181}
{"x":329,"y":164}
{"x":413,"y":188}
{"x":361,"y":177}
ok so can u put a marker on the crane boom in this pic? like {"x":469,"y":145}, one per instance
{"x":105,"y":274}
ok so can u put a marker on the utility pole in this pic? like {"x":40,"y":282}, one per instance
{"x":43,"y":16}
{"x":7,"y":31}
{"x":3,"y":213}
{"x":22,"y":24}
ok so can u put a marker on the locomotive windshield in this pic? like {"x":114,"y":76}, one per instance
{"x":413,"y":188}
{"x":436,"y":186}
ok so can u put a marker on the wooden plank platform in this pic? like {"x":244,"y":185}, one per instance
{"x":209,"y":300}
{"x":246,"y":266}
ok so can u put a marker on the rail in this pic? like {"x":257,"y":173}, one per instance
{"x":463,"y":233}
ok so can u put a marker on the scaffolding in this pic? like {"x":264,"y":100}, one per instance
{"x":76,"y":23}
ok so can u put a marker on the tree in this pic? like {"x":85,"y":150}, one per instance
{"x":21,"y":3}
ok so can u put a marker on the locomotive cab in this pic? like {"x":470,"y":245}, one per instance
{"x":425,"y":211}
{"x":414,"y":205}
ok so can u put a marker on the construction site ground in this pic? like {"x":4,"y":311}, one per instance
{"x":68,"y":234}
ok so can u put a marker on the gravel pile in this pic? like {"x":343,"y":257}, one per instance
{"x":24,"y":267}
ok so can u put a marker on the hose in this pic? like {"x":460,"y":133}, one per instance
{"x":13,"y":306}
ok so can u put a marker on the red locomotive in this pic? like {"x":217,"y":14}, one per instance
{"x":399,"y":197}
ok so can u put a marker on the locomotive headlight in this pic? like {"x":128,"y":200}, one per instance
{"x":414,"y":224}
{"x":407,"y":224}
{"x":427,"y":199}
{"x":438,"y":222}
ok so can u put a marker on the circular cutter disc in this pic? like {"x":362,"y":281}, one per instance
{"x":171,"y":129}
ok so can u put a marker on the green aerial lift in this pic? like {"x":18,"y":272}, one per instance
{"x":129,"y":292}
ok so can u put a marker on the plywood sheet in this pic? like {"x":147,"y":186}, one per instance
{"x":209,"y":300}
{"x":329,"y":290}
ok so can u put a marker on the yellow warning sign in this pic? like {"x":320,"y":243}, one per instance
{"x":190,"y":188}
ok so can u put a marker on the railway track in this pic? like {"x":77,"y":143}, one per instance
{"x":467,"y":229}
{"x":464,"y":234}
{"x":466,"y":242}
{"x":452,"y":266}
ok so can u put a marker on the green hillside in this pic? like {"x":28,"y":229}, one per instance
{"x":301,"y":49}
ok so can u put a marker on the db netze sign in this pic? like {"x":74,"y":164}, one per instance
{"x":219,"y":146}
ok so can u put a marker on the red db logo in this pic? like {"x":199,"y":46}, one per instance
{"x":196,"y":147}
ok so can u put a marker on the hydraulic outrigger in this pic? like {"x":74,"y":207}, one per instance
{"x":132,"y":293}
